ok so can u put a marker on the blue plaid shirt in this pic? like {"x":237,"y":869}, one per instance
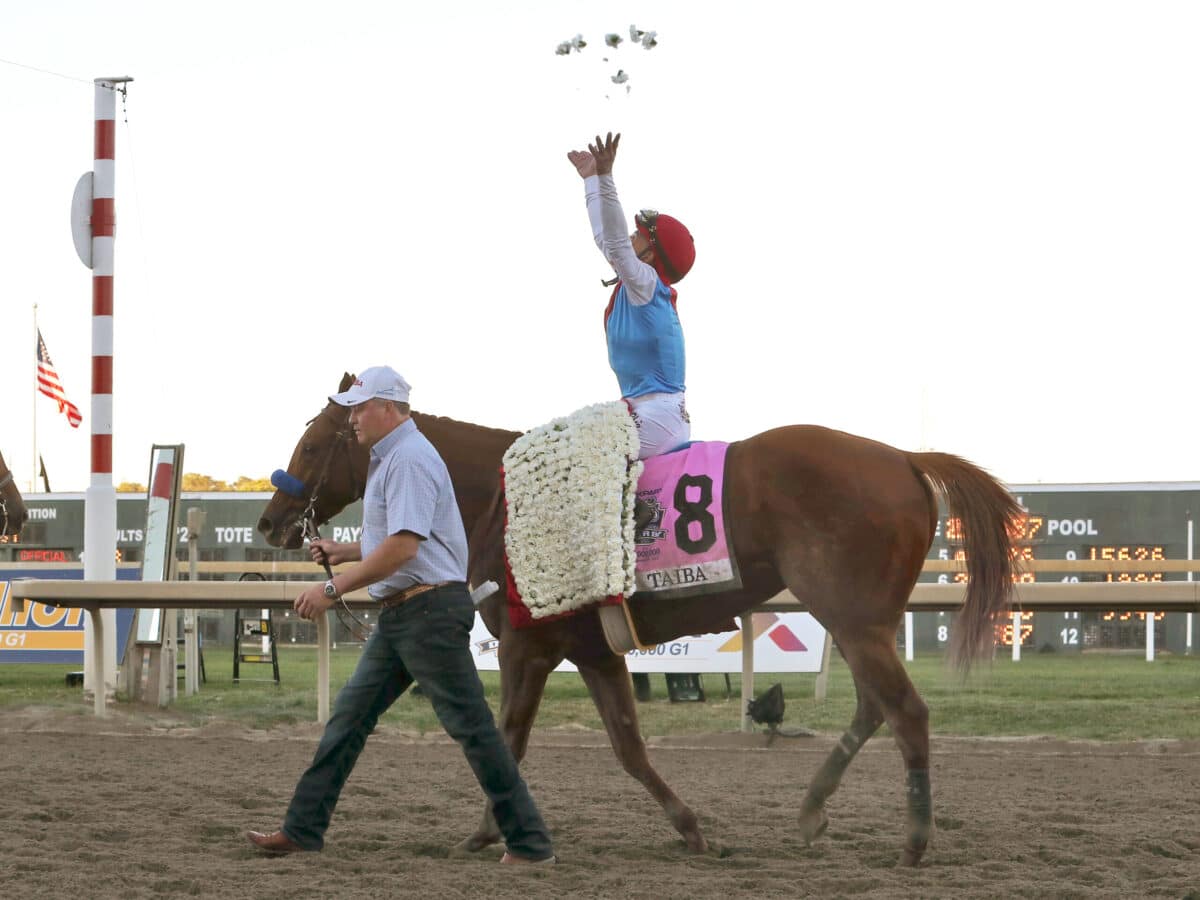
{"x":408,"y":489}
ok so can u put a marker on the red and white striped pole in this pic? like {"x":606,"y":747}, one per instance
{"x":100,"y":505}
{"x":104,"y":222}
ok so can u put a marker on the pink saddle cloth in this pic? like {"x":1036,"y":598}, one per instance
{"x":685,"y":550}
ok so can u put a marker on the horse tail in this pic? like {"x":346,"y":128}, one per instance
{"x":987,"y":514}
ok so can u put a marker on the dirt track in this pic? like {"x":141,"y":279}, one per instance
{"x":134,"y":807}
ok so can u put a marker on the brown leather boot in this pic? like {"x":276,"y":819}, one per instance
{"x":275,"y":842}
{"x":509,"y":859}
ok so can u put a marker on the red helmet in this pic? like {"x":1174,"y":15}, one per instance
{"x":674,"y":249}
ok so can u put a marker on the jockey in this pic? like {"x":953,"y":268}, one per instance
{"x":645,"y":339}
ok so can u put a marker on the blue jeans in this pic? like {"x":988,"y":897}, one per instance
{"x":426,"y":639}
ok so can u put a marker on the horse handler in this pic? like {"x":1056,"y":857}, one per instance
{"x":413,"y":557}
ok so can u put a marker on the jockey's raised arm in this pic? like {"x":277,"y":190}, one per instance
{"x":610,"y":228}
{"x":638,"y":277}
{"x":642,"y":328}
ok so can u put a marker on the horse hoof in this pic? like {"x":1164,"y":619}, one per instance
{"x":813,"y":825}
{"x":910,"y":858}
{"x":696,"y":843}
{"x":477,"y":842}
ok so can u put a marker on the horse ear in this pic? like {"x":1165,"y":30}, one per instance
{"x":347,"y":380}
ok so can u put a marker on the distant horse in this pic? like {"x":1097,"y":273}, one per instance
{"x":12,"y":508}
{"x":842,"y":522}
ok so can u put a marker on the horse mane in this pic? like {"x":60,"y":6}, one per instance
{"x":473,"y":455}
{"x":444,"y":425}
{"x":458,"y":425}
{"x":468,"y":450}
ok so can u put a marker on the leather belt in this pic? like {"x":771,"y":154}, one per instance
{"x":409,"y":592}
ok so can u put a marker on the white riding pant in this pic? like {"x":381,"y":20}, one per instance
{"x":662,"y":422}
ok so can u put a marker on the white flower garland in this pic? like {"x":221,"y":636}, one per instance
{"x":570,"y":487}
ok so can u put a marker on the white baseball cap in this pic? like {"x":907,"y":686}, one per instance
{"x":383,"y":382}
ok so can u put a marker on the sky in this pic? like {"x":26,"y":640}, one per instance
{"x":962,"y":226}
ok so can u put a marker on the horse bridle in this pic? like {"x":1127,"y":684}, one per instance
{"x":340,"y":438}
{"x":4,"y":482}
{"x":308,"y":523}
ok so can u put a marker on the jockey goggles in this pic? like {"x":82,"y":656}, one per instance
{"x":648,"y":219}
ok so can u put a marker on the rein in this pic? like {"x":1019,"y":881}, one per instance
{"x":360,"y":630}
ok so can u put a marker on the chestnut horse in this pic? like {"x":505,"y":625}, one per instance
{"x":842,"y":522}
{"x":12,"y":507}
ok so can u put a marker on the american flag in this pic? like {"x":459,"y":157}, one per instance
{"x":49,"y":384}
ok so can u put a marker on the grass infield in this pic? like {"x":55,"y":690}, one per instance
{"x":1096,"y":696}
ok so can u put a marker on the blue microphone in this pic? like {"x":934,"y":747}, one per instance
{"x":289,"y":484}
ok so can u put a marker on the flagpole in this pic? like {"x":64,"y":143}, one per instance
{"x":33,"y":480}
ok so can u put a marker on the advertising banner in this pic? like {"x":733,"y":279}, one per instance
{"x":48,"y":634}
{"x":783,"y":642}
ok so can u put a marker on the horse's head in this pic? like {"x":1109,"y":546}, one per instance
{"x":12,"y":508}
{"x":326,"y":474}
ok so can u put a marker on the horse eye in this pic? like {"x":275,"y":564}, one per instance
{"x":309,"y":448}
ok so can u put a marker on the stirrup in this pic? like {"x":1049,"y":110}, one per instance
{"x":618,"y":629}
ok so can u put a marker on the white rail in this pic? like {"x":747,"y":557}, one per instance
{"x":94,"y":596}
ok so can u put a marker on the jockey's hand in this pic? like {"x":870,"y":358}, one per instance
{"x":605,"y":153}
{"x":584,"y":163}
